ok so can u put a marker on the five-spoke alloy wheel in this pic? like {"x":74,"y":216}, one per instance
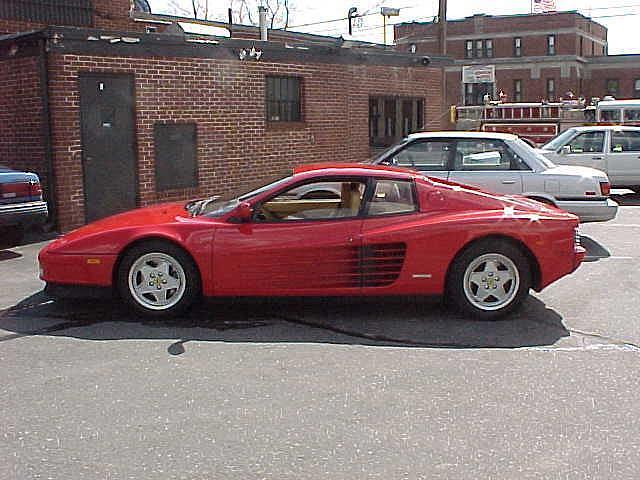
{"x":158,"y":278}
{"x":489,"y":279}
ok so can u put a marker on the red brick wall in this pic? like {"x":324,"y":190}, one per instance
{"x":596,"y":85}
{"x":226,"y":99}
{"x":112,"y":14}
{"x":21,"y":144}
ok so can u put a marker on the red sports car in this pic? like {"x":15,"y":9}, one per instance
{"x":330,"y":230}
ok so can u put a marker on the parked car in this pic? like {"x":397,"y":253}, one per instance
{"x":503,"y":163}
{"x":389,"y":232}
{"x":21,"y":204}
{"x":613,"y":149}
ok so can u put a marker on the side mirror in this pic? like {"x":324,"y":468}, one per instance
{"x":565,"y":150}
{"x":244,"y":212}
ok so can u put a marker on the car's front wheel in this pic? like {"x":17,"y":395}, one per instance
{"x":489,"y":279}
{"x":158,"y":279}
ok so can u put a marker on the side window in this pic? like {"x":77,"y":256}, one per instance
{"x":321,"y":200}
{"x":587,"y":142}
{"x":425,"y":155}
{"x":625,"y":141}
{"x":485,"y":154}
{"x":392,"y":196}
{"x":632,"y":114}
{"x":610,"y":115}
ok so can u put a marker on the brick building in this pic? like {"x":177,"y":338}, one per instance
{"x":113,"y":119}
{"x":528,"y":57}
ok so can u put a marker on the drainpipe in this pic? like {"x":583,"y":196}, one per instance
{"x":262,"y":12}
{"x":43,"y":72}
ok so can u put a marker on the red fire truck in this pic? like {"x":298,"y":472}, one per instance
{"x":537,"y":122}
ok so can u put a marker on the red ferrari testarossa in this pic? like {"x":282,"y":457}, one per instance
{"x":330,"y":230}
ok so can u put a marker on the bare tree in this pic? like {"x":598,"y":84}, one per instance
{"x":278,"y":11}
{"x":199,"y":9}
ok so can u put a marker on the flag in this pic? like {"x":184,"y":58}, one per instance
{"x":543,"y":6}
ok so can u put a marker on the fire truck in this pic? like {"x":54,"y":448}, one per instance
{"x":540,"y":122}
{"x":536,"y":122}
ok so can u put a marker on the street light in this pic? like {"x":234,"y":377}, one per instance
{"x":353,"y":12}
{"x":387,"y":12}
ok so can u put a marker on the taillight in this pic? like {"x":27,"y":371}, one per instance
{"x":15,"y":190}
{"x":605,"y":189}
{"x":36,"y":189}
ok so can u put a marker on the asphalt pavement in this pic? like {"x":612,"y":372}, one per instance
{"x":328,"y":388}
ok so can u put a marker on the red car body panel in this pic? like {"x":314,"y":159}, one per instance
{"x":387,"y":255}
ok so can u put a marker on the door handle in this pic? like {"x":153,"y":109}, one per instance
{"x":508,"y":182}
{"x":596,"y":158}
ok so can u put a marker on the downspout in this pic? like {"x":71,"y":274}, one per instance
{"x":43,"y":71}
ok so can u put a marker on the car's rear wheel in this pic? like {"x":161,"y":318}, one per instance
{"x":489,"y":279}
{"x":158,"y":279}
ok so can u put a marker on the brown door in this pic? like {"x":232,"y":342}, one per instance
{"x":108,"y":144}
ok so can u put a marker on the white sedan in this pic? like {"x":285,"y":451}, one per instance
{"x":503,"y":163}
{"x":613,"y":149}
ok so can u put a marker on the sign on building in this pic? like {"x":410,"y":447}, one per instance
{"x":479,"y":74}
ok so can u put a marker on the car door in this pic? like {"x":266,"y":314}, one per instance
{"x":623,"y":158}
{"x":293,"y":245}
{"x":586,"y":149}
{"x":384,"y":242}
{"x":488,"y":164}
{"x":430,"y":156}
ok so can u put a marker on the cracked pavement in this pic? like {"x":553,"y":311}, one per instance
{"x":340,"y":388}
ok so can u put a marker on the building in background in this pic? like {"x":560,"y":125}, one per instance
{"x":528,"y":57}
{"x":115,"y":108}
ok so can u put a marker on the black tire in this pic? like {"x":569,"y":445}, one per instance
{"x":456,"y":294}
{"x":11,"y":236}
{"x":192,"y":282}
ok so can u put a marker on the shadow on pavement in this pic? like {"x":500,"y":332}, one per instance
{"x":595,"y":250}
{"x":397,"y":321}
{"x":630,"y":199}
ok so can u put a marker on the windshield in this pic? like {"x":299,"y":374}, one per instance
{"x":532,"y":151}
{"x":217,"y":206}
{"x":560,"y":140}
{"x":385,"y":153}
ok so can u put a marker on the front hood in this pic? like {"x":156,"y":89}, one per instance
{"x":148,"y":216}
{"x":576,"y":171}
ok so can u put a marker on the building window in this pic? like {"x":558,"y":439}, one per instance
{"x":551,"y":88}
{"x":488,"y":48}
{"x":517,"y":47}
{"x":551,"y":44}
{"x":391,"y":118}
{"x":517,"y":90}
{"x":283,"y":99}
{"x":413,"y":48}
{"x":468,"y":52}
{"x":636,"y":88}
{"x":478,"y":49}
{"x":51,"y":12}
{"x":581,"y":50}
{"x":613,"y":86}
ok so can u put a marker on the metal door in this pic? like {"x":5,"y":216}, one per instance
{"x":108,"y":144}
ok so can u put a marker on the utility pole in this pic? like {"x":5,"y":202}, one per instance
{"x":442,"y":18}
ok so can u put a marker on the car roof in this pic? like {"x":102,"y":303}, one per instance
{"x":619,"y":103}
{"x":356,"y":169}
{"x":464,"y":134}
{"x":605,"y":127}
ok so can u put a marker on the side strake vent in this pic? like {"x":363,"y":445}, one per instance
{"x":380,"y":265}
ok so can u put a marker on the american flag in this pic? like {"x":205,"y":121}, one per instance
{"x":543,"y":6}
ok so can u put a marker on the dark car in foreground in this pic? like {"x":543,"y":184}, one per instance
{"x":21,"y":204}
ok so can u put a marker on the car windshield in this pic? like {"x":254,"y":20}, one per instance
{"x":217,"y":206}
{"x":560,"y":140}
{"x":532,"y":151}
{"x":385,"y":153}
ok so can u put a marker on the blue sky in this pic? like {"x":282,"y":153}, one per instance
{"x":621,"y":17}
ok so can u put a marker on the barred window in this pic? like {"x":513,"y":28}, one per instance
{"x":283,"y":98}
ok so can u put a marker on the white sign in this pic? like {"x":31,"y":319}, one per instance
{"x":479,"y":74}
